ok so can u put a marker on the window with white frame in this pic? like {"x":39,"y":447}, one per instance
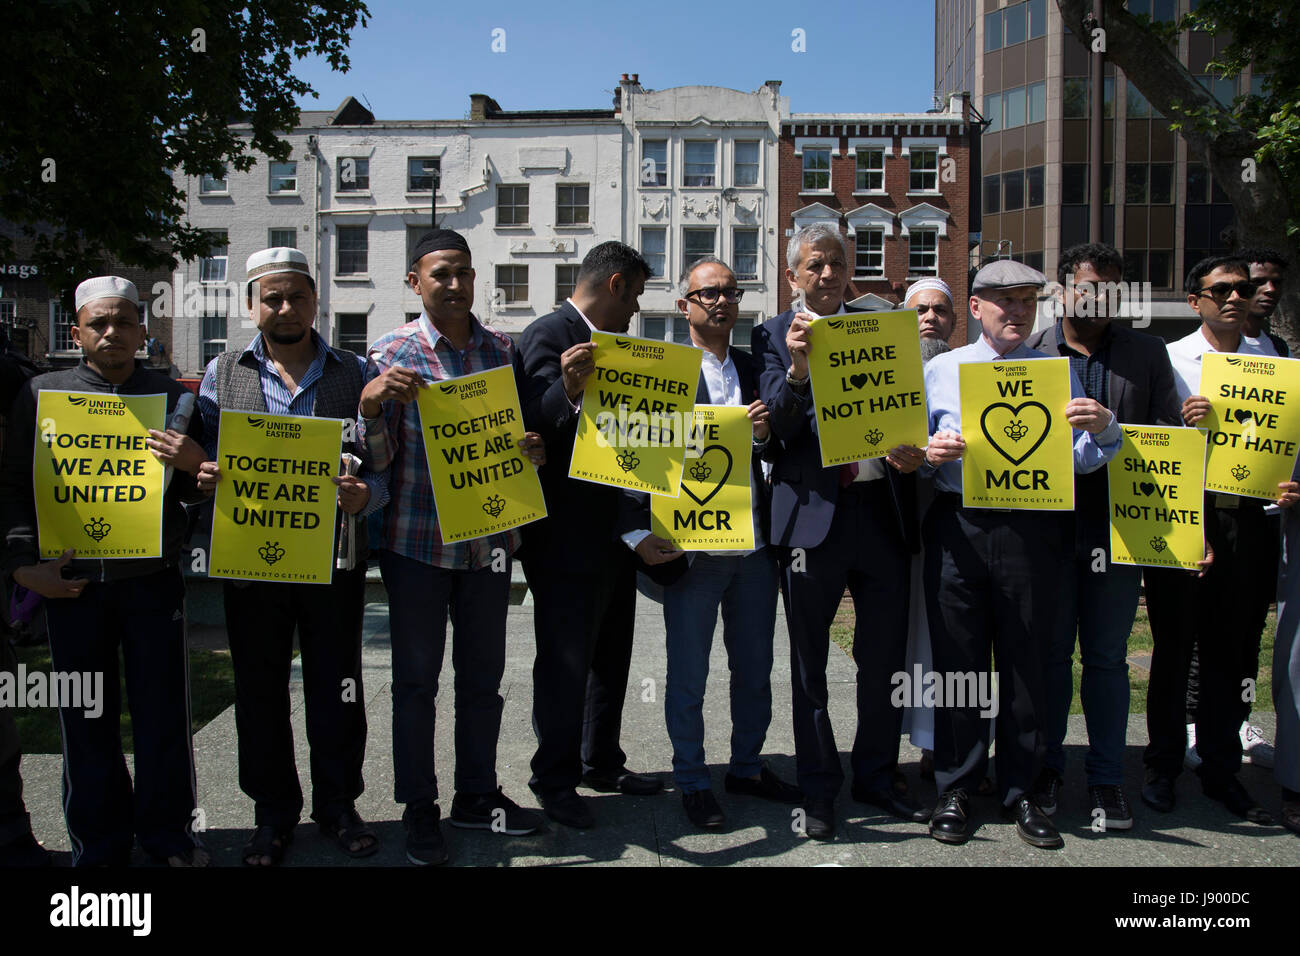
{"x":924,"y":170}
{"x":512,"y":281}
{"x":512,"y":205}
{"x":422,"y":173}
{"x":700,"y":162}
{"x":282,"y":237}
{"x":869,"y":253}
{"x":572,"y":204}
{"x":354,"y":174}
{"x":284,"y":178}
{"x":212,"y":337}
{"x":923,"y":252}
{"x":213,"y":185}
{"x":61,"y":319}
{"x":354,"y":251}
{"x":350,"y":332}
{"x":870,"y":171}
{"x":212,"y":267}
{"x":742,"y":333}
{"x":816,"y":169}
{"x":566,"y":280}
{"x":746,"y":163}
{"x":654,"y":248}
{"x":8,"y":313}
{"x":697,"y":243}
{"x":744,"y":253}
{"x":654,"y":162}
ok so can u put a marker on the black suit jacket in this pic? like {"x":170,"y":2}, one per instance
{"x":1141,"y":384}
{"x":634,"y":515}
{"x":803,"y":492}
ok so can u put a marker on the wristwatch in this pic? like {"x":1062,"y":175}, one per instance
{"x":796,"y":382}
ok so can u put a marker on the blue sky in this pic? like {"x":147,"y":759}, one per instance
{"x":418,"y":60}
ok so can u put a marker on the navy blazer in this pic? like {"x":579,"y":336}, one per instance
{"x":803,"y":492}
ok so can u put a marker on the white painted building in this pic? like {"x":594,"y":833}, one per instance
{"x":701,"y":168}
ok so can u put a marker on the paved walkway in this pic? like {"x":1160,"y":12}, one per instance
{"x":653,"y":831}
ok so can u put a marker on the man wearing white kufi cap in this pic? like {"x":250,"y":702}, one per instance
{"x":932,"y":300}
{"x":135,"y":603}
{"x":288,"y":369}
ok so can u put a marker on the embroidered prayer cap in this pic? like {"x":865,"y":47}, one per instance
{"x":278,"y":259}
{"x":921,"y":285}
{"x":1007,"y":274}
{"x":106,"y":287}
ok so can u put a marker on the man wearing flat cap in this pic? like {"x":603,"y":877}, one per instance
{"x":428,"y":578}
{"x":992,"y":575}
{"x":289,"y":370}
{"x":93,"y":608}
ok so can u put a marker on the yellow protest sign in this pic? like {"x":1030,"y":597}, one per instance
{"x":1155,"y":497}
{"x":867,"y":385}
{"x":636,"y":411}
{"x":482,"y":483}
{"x":274,"y":516}
{"x":714,"y":511}
{"x":98,"y":487}
{"x":1254,"y":422}
{"x":1019,"y":447}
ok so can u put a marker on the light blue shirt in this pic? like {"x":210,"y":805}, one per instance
{"x":943,"y":395}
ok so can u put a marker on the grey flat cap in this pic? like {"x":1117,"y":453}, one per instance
{"x":1007,"y":274}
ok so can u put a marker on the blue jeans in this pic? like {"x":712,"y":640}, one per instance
{"x":1099,"y":606}
{"x":745,"y":587}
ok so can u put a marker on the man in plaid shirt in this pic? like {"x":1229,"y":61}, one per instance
{"x":426,"y":577}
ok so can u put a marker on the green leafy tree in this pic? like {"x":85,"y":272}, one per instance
{"x":1252,"y":146}
{"x":103,"y":102}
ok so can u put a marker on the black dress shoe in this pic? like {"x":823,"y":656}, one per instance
{"x":1033,"y":825}
{"x":1233,"y":795}
{"x":622,"y":780}
{"x":1158,"y":792}
{"x":950,"y":822}
{"x":1047,"y":790}
{"x":819,"y":819}
{"x":703,"y":810}
{"x":768,"y":786}
{"x":568,"y":808}
{"x":1291,"y":815}
{"x":902,"y":805}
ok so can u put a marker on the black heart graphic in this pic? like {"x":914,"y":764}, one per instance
{"x":1241,"y":414}
{"x":858,"y":380}
{"x":722,"y":479}
{"x":1148,"y":488}
{"x":998,"y":441}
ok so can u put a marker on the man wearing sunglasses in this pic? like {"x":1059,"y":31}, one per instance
{"x":852,"y":525}
{"x":1216,"y":612}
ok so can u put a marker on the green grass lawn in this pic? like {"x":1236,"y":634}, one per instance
{"x":1139,"y":642}
{"x":212,"y":690}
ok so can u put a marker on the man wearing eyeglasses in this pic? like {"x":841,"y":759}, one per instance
{"x":851,"y":525}
{"x":1215,"y":612}
{"x":742,"y":583}
{"x":1129,"y":373}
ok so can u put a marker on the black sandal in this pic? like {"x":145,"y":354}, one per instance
{"x":348,"y":828}
{"x":267,"y":841}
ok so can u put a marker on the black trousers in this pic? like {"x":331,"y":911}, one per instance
{"x":145,"y":617}
{"x":991,"y":580}
{"x":583,"y":618}
{"x":864,"y":552}
{"x":1221,"y":616}
{"x":14,"y":822}
{"x":420,"y":598}
{"x":261,"y":617}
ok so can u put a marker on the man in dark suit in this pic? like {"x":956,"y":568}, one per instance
{"x":852,"y":525}
{"x":582,"y":578}
{"x":1130,"y":374}
{"x":742,"y":583}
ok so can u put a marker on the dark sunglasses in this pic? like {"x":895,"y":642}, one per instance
{"x":1220,"y":290}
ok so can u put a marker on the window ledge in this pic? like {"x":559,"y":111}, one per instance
{"x":225,"y":195}
{"x":353,"y":194}
{"x":352,"y":277}
{"x":926,"y":192}
{"x":816,"y":192}
{"x":871,"y":192}
{"x":516,"y":227}
{"x":291,"y":194}
{"x":878,"y":277}
{"x":575,"y":227}
{"x":514,"y":307}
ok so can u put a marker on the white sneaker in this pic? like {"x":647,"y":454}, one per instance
{"x":1254,"y":747}
{"x":1191,"y":759}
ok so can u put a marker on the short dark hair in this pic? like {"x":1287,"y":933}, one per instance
{"x":1102,"y":256}
{"x":1263,"y":255}
{"x":1208,"y":265}
{"x":609,"y":258}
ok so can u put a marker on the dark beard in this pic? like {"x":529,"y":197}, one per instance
{"x":284,"y":338}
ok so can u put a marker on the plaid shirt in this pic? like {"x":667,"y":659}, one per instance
{"x":396,"y":441}
{"x":1093,"y":370}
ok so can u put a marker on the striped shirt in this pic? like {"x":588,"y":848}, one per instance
{"x":280,"y":401}
{"x":396,"y":440}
